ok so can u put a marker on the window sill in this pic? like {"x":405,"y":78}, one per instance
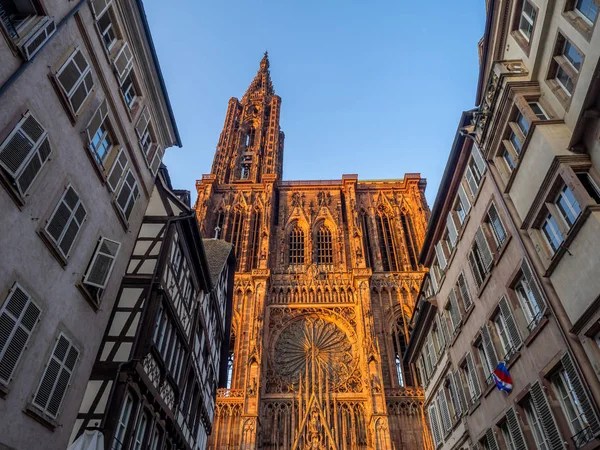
{"x":534,"y":333}
{"x":502,"y":249}
{"x":52,"y":248}
{"x":463,"y":226}
{"x":40,"y":417}
{"x":65,"y":101}
{"x":522,"y":41}
{"x":485,"y":281}
{"x":87,"y":295}
{"x":584,"y":28}
{"x":563,"y":98}
{"x":96,"y":165}
{"x":488,"y":389}
{"x":474,"y":406}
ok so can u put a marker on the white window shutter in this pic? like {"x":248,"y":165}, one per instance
{"x":484,"y":248}
{"x":479,"y":162}
{"x":128,"y":194}
{"x":439,"y":251}
{"x":463,"y":291}
{"x":441,"y":335}
{"x":142,"y":122}
{"x":102,"y":263}
{"x":455,"y":315}
{"x":471,"y":182}
{"x":97,"y":120}
{"x":464,"y":199}
{"x":444,"y":410}
{"x":492,"y":443}
{"x":473,"y":378}
{"x":434,"y":280}
{"x":75,"y":78}
{"x":461,"y":391}
{"x":117,"y":170}
{"x":18,"y":317}
{"x":532,"y":284}
{"x":516,"y":434}
{"x":580,"y":393}
{"x":158,"y":156}
{"x":490,"y":350}
{"x":545,"y":414}
{"x":66,"y":220}
{"x":474,"y":268}
{"x":45,"y":29}
{"x":100,"y":6}
{"x":57,"y":377}
{"x":434,"y":424}
{"x":452,"y":230}
{"x":123,"y":61}
{"x":511,"y":324}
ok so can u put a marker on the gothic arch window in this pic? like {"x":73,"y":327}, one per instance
{"x":296,"y":246}
{"x":324,"y":245}
{"x":400,"y":343}
{"x":409,"y":238}
{"x":219,"y":222}
{"x":386,"y":243}
{"x":250,"y":136}
{"x":368,"y":250}
{"x":254,"y":241}
{"x":235,"y":234}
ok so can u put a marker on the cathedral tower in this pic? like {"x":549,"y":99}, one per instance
{"x":326,"y":281}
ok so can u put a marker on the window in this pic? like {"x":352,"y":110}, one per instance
{"x":522,"y":123}
{"x":473,"y":176}
{"x":529,"y":297}
{"x":101,"y":265}
{"x":462,"y":292}
{"x":541,"y":420}
{"x":508,"y":160}
{"x":66,"y":221}
{"x":452,"y":237}
{"x":457,"y":394}
{"x":296,"y":245}
{"x":409,"y":236}
{"x":254,"y":240}
{"x":434,"y":424}
{"x":140,"y":432}
{"x":496,"y":226}
{"x":589,"y":185}
{"x":515,"y":142}
{"x":119,"y":441}
{"x":324,"y":245}
{"x":234,"y":234}
{"x":507,"y":330}
{"x":587,"y":9}
{"x":462,"y":205}
{"x":489,"y":442}
{"x":22,"y":22}
{"x":441,"y":254}
{"x":565,"y":66}
{"x":471,"y":377}
{"x":128,"y":194}
{"x":535,"y":426}
{"x":386,"y":243}
{"x":487,"y":354}
{"x":527,"y":20}
{"x":129,"y":89}
{"x":75,"y":79}
{"x":572,"y":55}
{"x":368,"y":249}
{"x":152,"y":151}
{"x":99,"y":134}
{"x":480,"y":257}
{"x":19,"y":315}
{"x":123,"y":61}
{"x":568,"y":206}
{"x":511,"y":431}
{"x":442,"y":403}
{"x":117,"y":170}
{"x":155,"y":439}
{"x":552,"y":233}
{"x":57,"y":376}
{"x":107,"y":30}
{"x":538,"y":111}
{"x":24,"y":153}
{"x":454,"y":312}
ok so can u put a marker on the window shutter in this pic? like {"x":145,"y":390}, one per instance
{"x":143,"y":122}
{"x":463,"y":290}
{"x":102,"y":263}
{"x":484,"y":248}
{"x":581,"y":393}
{"x":66,"y":221}
{"x":18,"y":318}
{"x":492,"y":443}
{"x":460,"y":391}
{"x":434,"y":424}
{"x":511,"y":324}
{"x":128,"y":194}
{"x":479,"y":162}
{"x":431,"y":352}
{"x":496,"y":224}
{"x":532,"y":284}
{"x":454,"y":396}
{"x":443,"y":329}
{"x":57,"y":376}
{"x":473,"y":379}
{"x":514,"y":429}
{"x":100,"y":6}
{"x":476,"y":274}
{"x":454,"y":311}
{"x":439,"y":250}
{"x":434,"y":281}
{"x":34,"y":43}
{"x":452,"y":230}
{"x":117,"y":170}
{"x":490,"y":351}
{"x":97,"y":120}
{"x":444,"y":411}
{"x":548,"y":423}
{"x":156,"y":160}
{"x":464,"y":199}
{"x":473,"y":187}
{"x":123,"y":61}
{"x":75,"y":78}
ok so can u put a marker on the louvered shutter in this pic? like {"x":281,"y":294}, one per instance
{"x":66,"y":221}
{"x":156,"y":160}
{"x":100,"y":6}
{"x":490,"y":351}
{"x":473,"y":187}
{"x":444,"y":411}
{"x":142,"y":122}
{"x":439,"y":250}
{"x":34,"y":43}
{"x":117,"y":170}
{"x":580,"y":392}
{"x":444,"y":325}
{"x":432,"y":353}
{"x":492,"y":443}
{"x":434,"y":281}
{"x":75,"y":78}
{"x":440,"y":334}
{"x":97,"y":120}
{"x":123,"y":61}
{"x":484,"y":248}
{"x":473,"y":378}
{"x":532,"y":284}
{"x":460,"y":391}
{"x":516,"y":434}
{"x":454,"y":396}
{"x":479,"y":162}
{"x":475,"y":269}
{"x":463,"y":290}
{"x":57,"y":376}
{"x":443,"y":332}
{"x":452,"y":230}
{"x":18,"y":318}
{"x":128,"y":194}
{"x":102,"y":263}
{"x":511,"y":324}
{"x":545,"y":414}
{"x":454,"y":311}
{"x":434,"y":424}
{"x":464,"y":199}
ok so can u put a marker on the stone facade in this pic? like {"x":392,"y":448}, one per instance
{"x":326,"y":281}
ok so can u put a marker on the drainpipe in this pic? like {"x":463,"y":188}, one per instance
{"x":23,"y":67}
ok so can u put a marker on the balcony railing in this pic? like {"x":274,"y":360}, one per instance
{"x":583,"y":437}
{"x":8,"y":23}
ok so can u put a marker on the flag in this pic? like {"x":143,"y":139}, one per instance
{"x":502,"y":378}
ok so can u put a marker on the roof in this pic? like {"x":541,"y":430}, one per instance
{"x":217,"y":253}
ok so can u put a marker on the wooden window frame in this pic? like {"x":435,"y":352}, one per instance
{"x":516,"y":33}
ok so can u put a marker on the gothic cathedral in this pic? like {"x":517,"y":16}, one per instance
{"x":327,"y":278}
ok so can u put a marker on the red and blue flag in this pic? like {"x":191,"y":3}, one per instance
{"x":502,"y":378}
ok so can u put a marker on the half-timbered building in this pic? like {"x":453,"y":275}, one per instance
{"x":155,"y":379}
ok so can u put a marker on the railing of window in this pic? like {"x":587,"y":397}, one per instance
{"x":533,"y":323}
{"x":8,"y":24}
{"x":509,"y":353}
{"x":583,"y":437}
{"x":490,"y":379}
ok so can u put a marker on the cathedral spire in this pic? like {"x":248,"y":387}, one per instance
{"x":261,"y":85}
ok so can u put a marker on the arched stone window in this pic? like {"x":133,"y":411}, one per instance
{"x":235,"y":234}
{"x":296,"y":246}
{"x":254,"y":241}
{"x":410,"y":239}
{"x":219,"y":223}
{"x":386,"y":243}
{"x":364,"y":221}
{"x":399,"y":343}
{"x":324,"y":243}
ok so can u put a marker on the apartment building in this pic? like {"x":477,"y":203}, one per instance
{"x":84,"y":123}
{"x":164,"y":351}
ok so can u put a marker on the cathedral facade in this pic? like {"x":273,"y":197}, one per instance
{"x":326,"y":281}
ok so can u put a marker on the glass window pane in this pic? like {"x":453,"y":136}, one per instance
{"x":538,"y":111}
{"x":588,"y":9}
{"x":564,"y":80}
{"x":568,"y":206}
{"x":515,"y":142}
{"x":552,"y":233}
{"x":522,"y":123}
{"x":574,"y":57}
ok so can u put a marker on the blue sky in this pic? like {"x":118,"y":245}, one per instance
{"x":368,"y":87}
